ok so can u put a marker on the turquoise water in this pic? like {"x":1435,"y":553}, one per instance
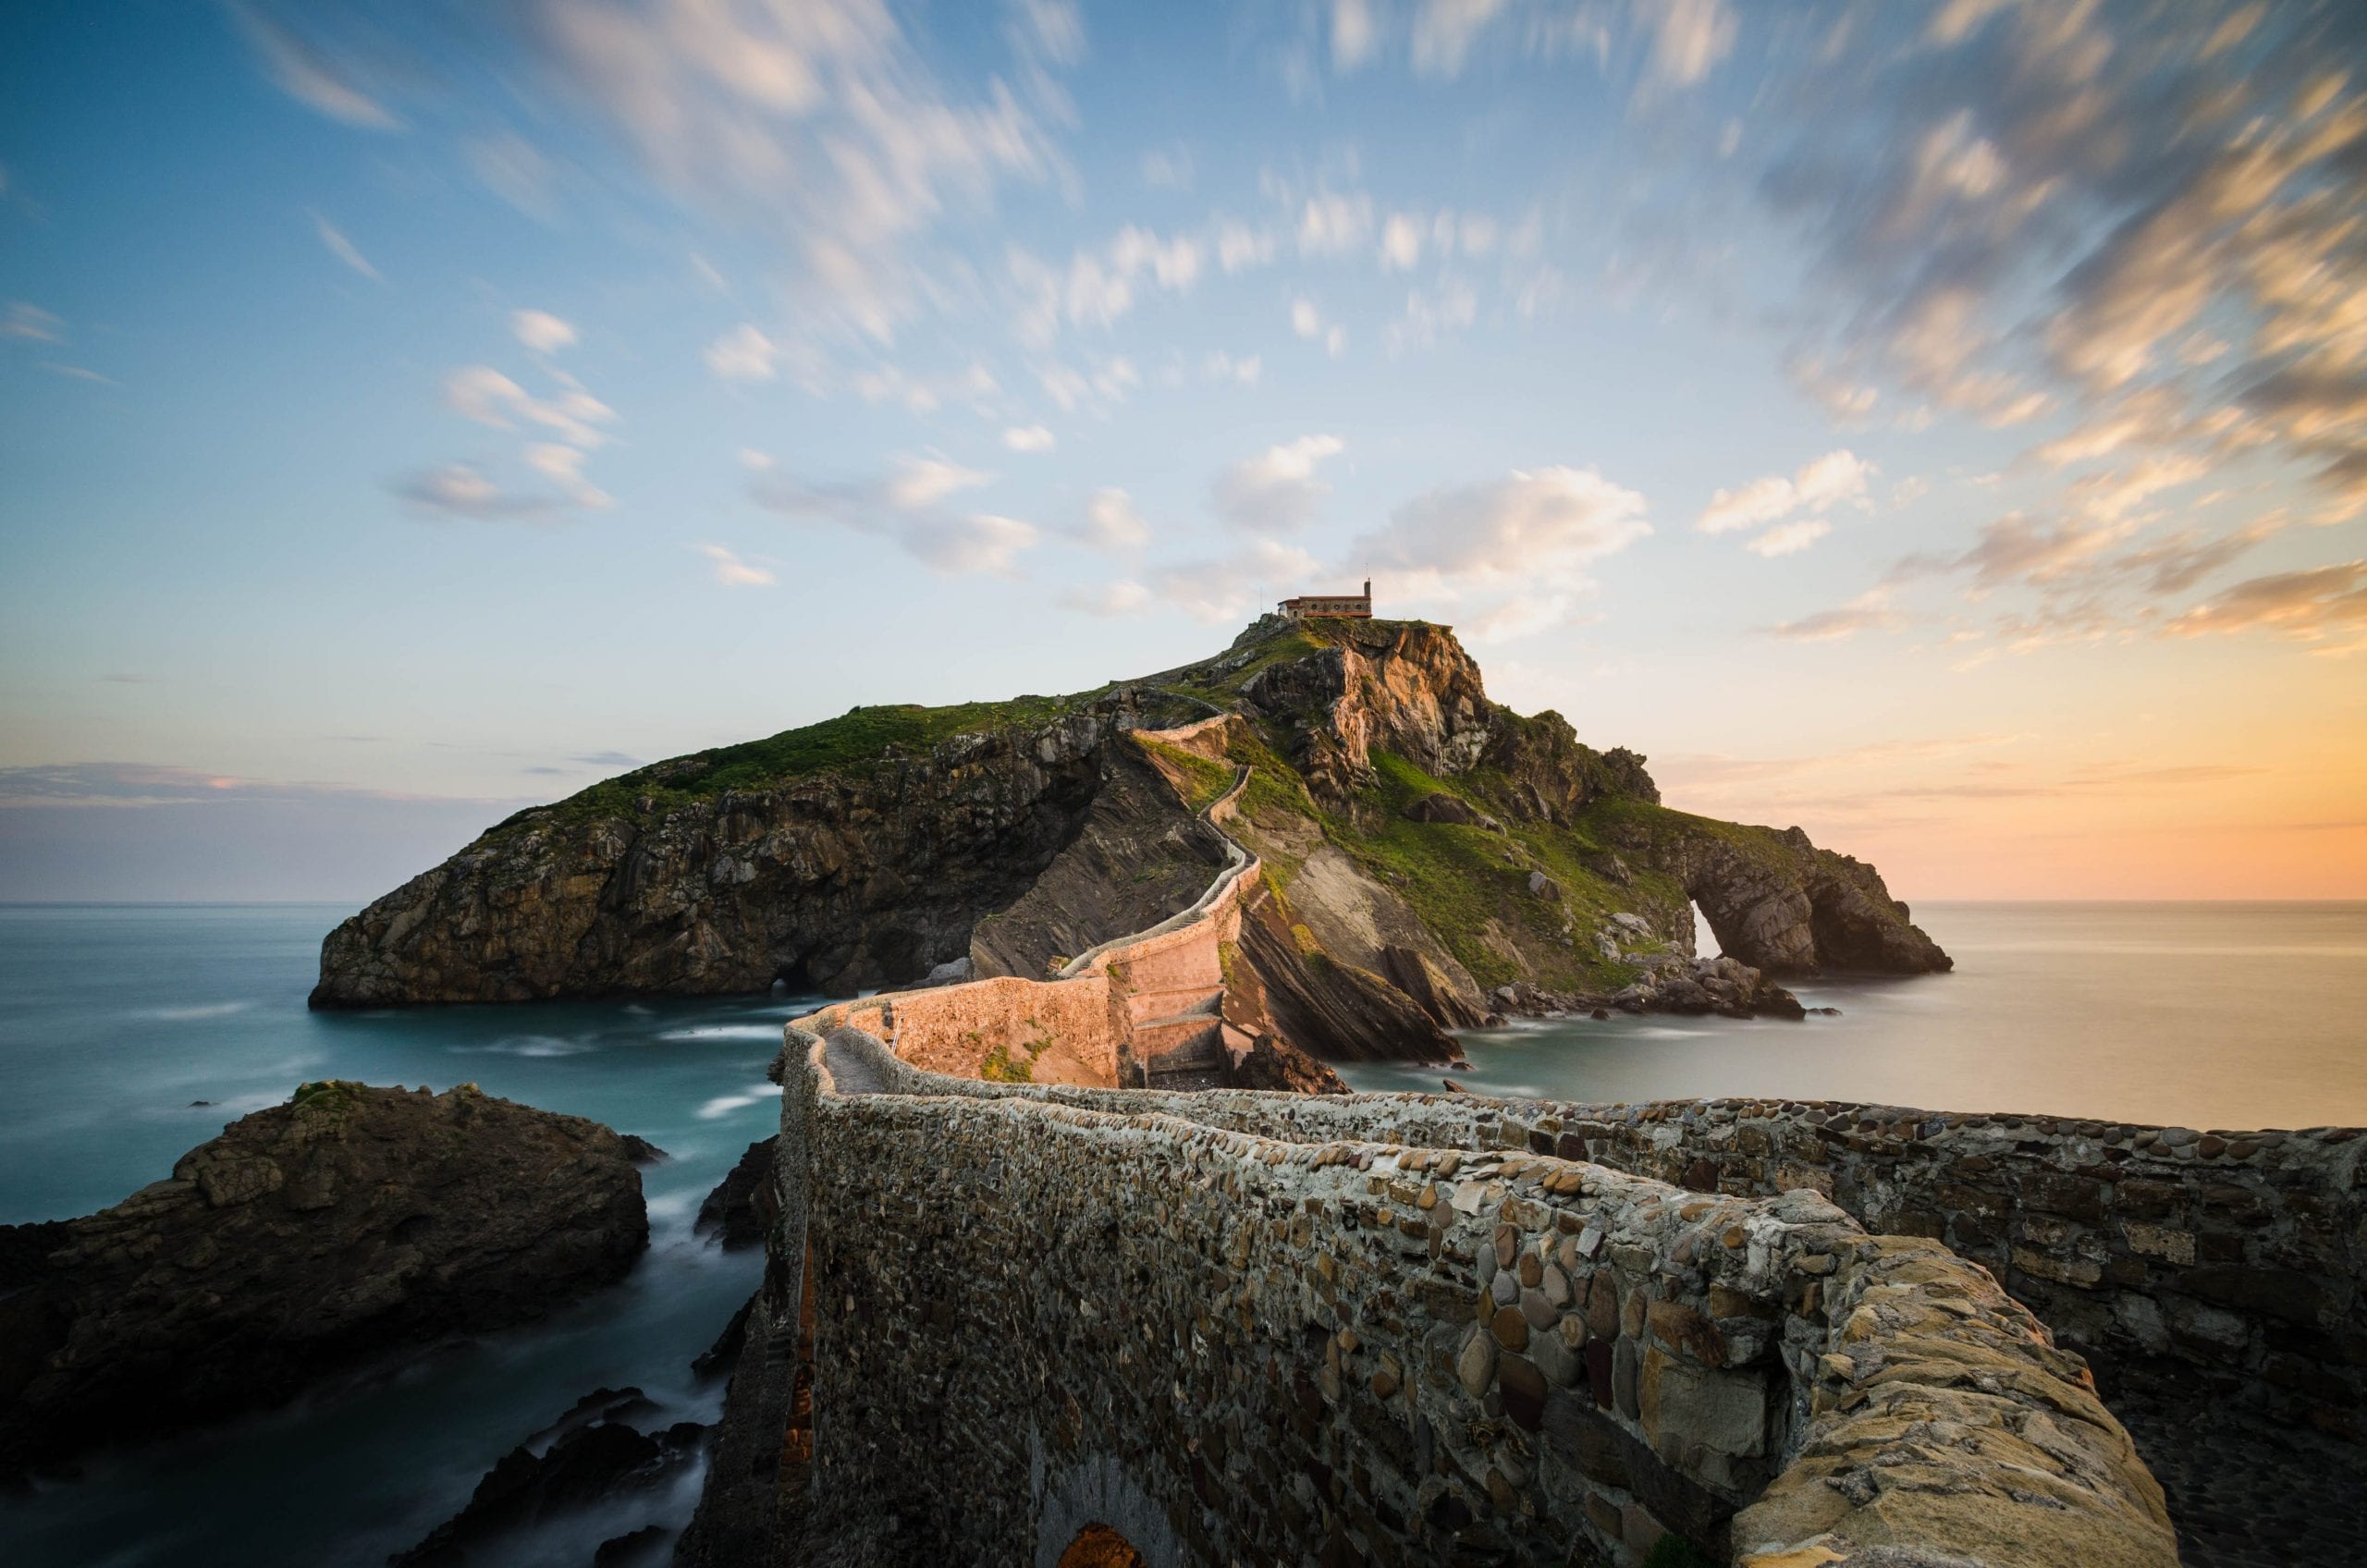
{"x":2184,"y":1014}
{"x":113,"y":1020}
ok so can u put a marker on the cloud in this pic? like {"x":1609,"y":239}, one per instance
{"x":733,"y":572}
{"x":31,"y":324}
{"x":1444,"y":31}
{"x":1354,"y":38}
{"x":1400,"y":243}
{"x":2322,"y":605}
{"x":1819,"y":486}
{"x":906,"y":507}
{"x":1233,"y":587}
{"x":344,"y":248}
{"x":1789,"y":538}
{"x":1112,"y":523}
{"x":1240,"y":247}
{"x":923,"y":394}
{"x":142,"y":784}
{"x":541,"y":331}
{"x":1537,"y":527}
{"x":1107,"y":601}
{"x":1333,"y":225}
{"x":1432,"y":314}
{"x":309,"y":73}
{"x":1029,"y":438}
{"x":1167,"y":168}
{"x":1308,"y":323}
{"x":1100,"y":286}
{"x":1277,"y":490}
{"x":484,"y":394}
{"x":462,"y":490}
{"x":1218,"y":365}
{"x":744,"y":353}
{"x":1105,"y":380}
{"x":1688,"y":38}
{"x":1870,"y":611}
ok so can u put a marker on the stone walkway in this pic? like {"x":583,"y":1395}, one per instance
{"x":849,"y":1071}
{"x":2247,"y":1492}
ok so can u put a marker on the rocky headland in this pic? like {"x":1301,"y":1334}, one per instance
{"x":307,"y":1239}
{"x":1430,"y":857}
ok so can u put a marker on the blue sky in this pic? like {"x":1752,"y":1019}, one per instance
{"x":1941,"y":426}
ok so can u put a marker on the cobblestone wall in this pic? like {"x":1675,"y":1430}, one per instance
{"x":2225,"y":1265}
{"x":1268,"y":1328}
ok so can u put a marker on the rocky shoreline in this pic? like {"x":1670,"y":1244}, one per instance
{"x":1696,"y":987}
{"x":308,"y":1239}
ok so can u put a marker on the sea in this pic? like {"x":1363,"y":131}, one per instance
{"x":116,"y":1022}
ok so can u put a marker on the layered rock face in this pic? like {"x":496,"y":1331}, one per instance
{"x":306,"y":1238}
{"x":851,"y":879}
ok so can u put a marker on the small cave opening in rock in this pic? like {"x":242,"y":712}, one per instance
{"x":1099,"y":1545}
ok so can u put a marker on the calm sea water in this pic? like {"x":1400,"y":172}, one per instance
{"x":2186,"y":1015}
{"x":114,"y":1020}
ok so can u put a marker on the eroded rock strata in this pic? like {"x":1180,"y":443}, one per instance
{"x":307,"y":1238}
{"x":1427,"y":848}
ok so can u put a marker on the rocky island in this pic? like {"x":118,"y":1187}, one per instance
{"x":307,"y":1239}
{"x":1430,"y":857}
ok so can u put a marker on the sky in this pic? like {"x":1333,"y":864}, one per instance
{"x":1943,"y":426}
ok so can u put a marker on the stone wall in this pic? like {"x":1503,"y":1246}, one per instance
{"x":1079,"y":1028}
{"x":1265,"y":1328}
{"x":2224,"y":1263}
{"x":1060,"y":1031}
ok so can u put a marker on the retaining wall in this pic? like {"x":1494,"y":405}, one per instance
{"x":1079,"y":1028}
{"x":1264,"y":1327}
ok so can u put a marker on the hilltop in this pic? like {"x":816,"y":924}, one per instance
{"x":1432,"y":856}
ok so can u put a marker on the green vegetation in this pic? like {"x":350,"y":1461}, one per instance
{"x":860,"y":738}
{"x":1001,"y":1067}
{"x":329,"y":1096}
{"x":1662,"y":826}
{"x":1201,"y":781}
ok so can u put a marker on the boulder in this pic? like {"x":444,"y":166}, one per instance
{"x":743,"y":1205}
{"x":307,"y":1238}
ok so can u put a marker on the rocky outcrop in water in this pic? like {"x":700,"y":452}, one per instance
{"x":592,"y":1457}
{"x":859,"y":876}
{"x":1433,"y":846}
{"x":306,"y":1238}
{"x":741,"y":1208}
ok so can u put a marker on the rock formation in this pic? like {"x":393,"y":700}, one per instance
{"x":1425,"y":847}
{"x":307,"y":1238}
{"x":592,"y":1457}
{"x":740,"y":1210}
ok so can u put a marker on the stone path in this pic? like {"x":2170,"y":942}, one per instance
{"x":850,"y":1073}
{"x":2246,"y":1491}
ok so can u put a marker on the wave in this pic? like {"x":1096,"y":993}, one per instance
{"x":724,"y":1105}
{"x":770,"y":1032}
{"x":528,"y":1044}
{"x":195,"y":1010}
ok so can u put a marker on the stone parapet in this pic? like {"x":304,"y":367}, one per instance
{"x":1269,"y":1328}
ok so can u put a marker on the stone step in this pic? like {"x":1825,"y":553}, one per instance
{"x":1168,"y":1035}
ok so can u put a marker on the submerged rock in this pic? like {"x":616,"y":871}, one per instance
{"x":307,"y":1238}
{"x":597,"y":1458}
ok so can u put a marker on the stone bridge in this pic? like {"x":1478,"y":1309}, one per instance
{"x":1015,"y":1323}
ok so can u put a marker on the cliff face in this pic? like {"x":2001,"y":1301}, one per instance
{"x":1417,"y":836}
{"x":858,"y":876}
{"x":307,"y":1237}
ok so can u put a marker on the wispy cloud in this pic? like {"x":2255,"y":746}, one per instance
{"x":343,"y":249}
{"x":1279,"y":490}
{"x":907,"y":507}
{"x":733,"y":572}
